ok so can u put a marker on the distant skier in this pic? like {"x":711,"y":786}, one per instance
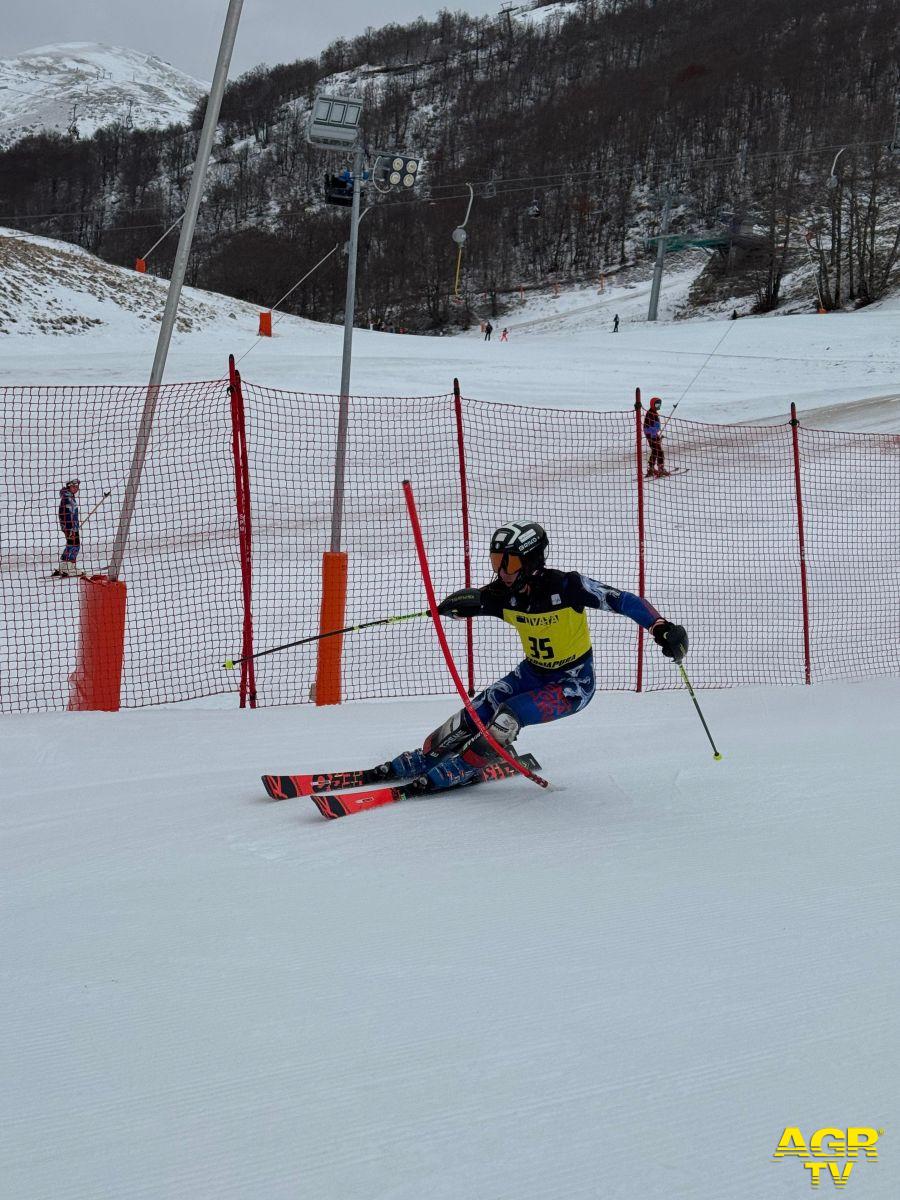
{"x":546,"y":608}
{"x":656,"y":464}
{"x":488,"y":330}
{"x":70,"y":524}
{"x":616,"y":323}
{"x":504,"y":335}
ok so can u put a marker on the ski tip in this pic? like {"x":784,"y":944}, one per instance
{"x":287,"y":787}
{"x":329,"y":806}
{"x":273,"y":786}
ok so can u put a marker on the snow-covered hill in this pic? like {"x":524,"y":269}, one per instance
{"x":624,"y":987}
{"x":87,"y":85}
{"x":50,"y":287}
{"x":841,"y":369}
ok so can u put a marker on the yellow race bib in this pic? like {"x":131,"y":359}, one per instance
{"x":551,"y":639}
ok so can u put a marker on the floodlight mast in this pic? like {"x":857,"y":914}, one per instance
{"x":337,"y":507}
{"x":334,"y":126}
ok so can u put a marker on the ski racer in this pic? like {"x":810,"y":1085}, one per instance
{"x":556,"y":678}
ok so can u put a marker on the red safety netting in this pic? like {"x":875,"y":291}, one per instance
{"x":719,"y":539}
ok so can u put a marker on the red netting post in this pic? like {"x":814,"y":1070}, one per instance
{"x":638,"y":458}
{"x":245,"y":533}
{"x":467,"y":555}
{"x":804,"y":590}
{"x":445,"y":647}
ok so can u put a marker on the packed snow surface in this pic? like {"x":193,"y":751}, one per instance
{"x":624,"y":987}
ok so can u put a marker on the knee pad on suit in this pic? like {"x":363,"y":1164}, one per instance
{"x":449,"y":737}
{"x":503,"y":727}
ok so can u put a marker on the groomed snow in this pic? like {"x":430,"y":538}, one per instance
{"x":625,"y":987}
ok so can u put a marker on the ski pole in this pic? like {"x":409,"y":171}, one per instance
{"x":687,"y":683}
{"x":230,"y":663}
{"x":105,"y":496}
{"x":669,"y":417}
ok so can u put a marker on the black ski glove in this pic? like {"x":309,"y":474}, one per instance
{"x":671,"y":639}
{"x":464,"y":603}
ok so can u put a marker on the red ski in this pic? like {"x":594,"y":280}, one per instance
{"x":286,"y":787}
{"x":341,"y":804}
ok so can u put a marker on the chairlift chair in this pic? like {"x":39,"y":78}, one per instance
{"x":338,"y":190}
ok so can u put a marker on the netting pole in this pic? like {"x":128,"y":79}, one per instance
{"x":804,"y":590}
{"x":638,"y":456}
{"x":176,"y":282}
{"x":245,"y":530}
{"x":467,"y":551}
{"x":445,"y":647}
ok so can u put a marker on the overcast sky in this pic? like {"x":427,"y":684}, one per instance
{"x":186,"y":33}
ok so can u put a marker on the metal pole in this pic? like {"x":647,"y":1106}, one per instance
{"x":337,"y":508}
{"x":660,"y":256}
{"x":179,"y":269}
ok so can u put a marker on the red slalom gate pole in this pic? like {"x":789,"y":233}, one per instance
{"x":245,"y":535}
{"x":467,"y":552}
{"x":640,"y":517}
{"x":445,"y":648}
{"x":801,"y":538}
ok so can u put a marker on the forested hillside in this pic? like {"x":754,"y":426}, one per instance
{"x":584,"y":113}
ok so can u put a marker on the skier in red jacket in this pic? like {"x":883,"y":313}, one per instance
{"x":656,"y":464}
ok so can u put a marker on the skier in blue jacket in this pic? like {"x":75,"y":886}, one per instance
{"x":70,"y":524}
{"x":546,"y":607}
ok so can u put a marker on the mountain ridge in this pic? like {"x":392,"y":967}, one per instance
{"x":87,"y":85}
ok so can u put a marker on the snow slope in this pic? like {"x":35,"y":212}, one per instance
{"x":562,"y":351}
{"x":625,"y":987}
{"x":39,"y":88}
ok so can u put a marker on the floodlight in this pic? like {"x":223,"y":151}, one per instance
{"x":334,"y":123}
{"x":394,"y":169}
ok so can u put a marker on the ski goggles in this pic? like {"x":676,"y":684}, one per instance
{"x":510,"y":562}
